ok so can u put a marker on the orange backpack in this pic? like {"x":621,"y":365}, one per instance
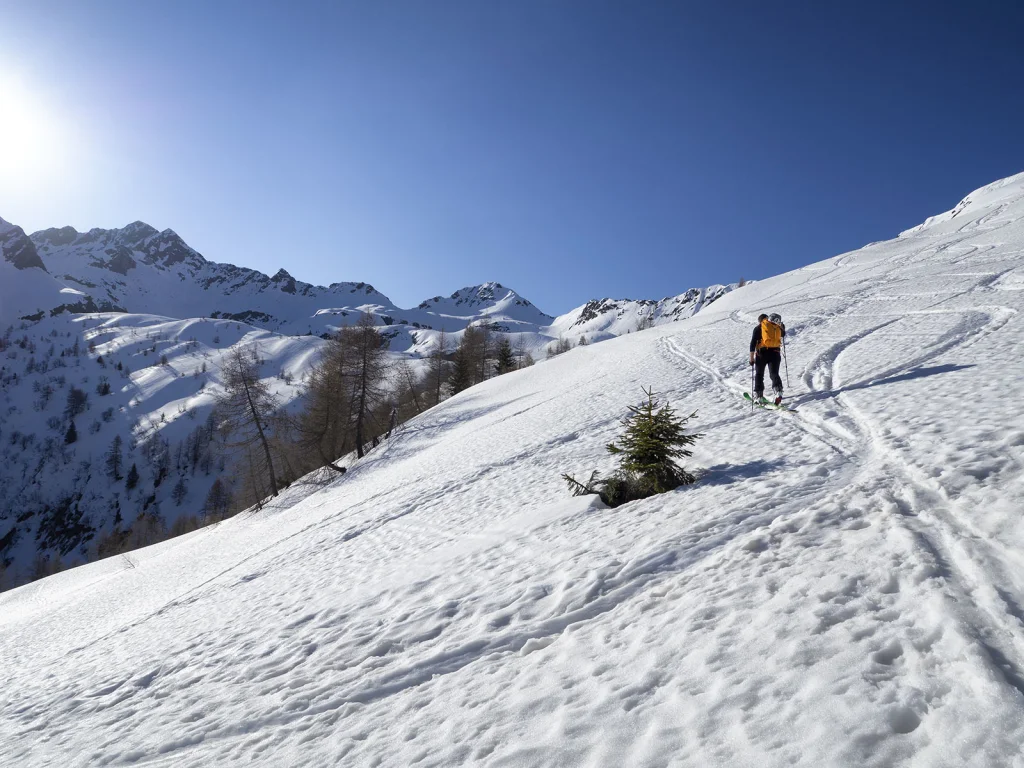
{"x":771,"y":335}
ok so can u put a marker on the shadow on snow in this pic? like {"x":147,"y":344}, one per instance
{"x":913,"y":373}
{"x":727,"y":474}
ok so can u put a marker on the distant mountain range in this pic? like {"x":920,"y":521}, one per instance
{"x":139,"y":325}
{"x":139,"y":269}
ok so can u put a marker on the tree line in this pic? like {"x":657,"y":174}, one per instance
{"x":355,"y":396}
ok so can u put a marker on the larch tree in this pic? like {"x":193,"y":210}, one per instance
{"x":246,"y":406}
{"x":408,"y":387}
{"x":218,"y":500}
{"x":482,"y":353}
{"x":520,"y":351}
{"x":367,"y":374}
{"x":323,"y":428}
{"x":438,"y":367}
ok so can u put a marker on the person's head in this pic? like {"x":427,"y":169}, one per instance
{"x":761,"y":317}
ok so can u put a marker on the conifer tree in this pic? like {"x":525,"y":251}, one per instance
{"x":506,"y":361}
{"x":461,"y":375}
{"x":409,"y":388}
{"x":76,"y":403}
{"x":324,"y":426}
{"x":653,"y":440}
{"x":438,"y":367}
{"x":520,"y":351}
{"x":218,"y":500}
{"x":133,"y":478}
{"x":246,"y":406}
{"x":71,"y":435}
{"x":113,"y":459}
{"x":180,"y":491}
{"x":481,"y":352}
{"x":368,"y":374}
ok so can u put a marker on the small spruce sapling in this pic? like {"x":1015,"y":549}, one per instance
{"x":653,"y":440}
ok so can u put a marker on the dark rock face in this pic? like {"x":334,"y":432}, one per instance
{"x":284,"y":281}
{"x":88,"y":304}
{"x":135,"y":233}
{"x":54,"y":236}
{"x":121,"y":261}
{"x":595,"y":308}
{"x":19,"y":250}
{"x":248,"y":316}
{"x":168,"y":249}
{"x":716,"y":294}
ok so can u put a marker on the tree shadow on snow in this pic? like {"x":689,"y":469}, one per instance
{"x":727,"y":474}
{"x":422,"y":431}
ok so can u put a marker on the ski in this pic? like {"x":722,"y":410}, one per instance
{"x":767,"y":406}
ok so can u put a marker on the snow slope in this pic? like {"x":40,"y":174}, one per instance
{"x":844,"y":587}
{"x":150,"y":382}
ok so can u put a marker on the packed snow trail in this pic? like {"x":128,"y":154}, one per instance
{"x":844,"y":587}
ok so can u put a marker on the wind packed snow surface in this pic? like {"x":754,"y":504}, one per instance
{"x":844,"y":587}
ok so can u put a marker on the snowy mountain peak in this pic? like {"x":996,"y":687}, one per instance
{"x":284,"y":281}
{"x":56,"y":236}
{"x":489,"y":293}
{"x":136,"y":232}
{"x":364,"y":289}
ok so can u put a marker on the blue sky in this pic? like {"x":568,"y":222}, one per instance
{"x":571,"y":150}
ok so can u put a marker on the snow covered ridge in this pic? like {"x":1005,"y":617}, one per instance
{"x":605,"y":318}
{"x":140,"y":269}
{"x":993,"y":197}
{"x":844,"y":587}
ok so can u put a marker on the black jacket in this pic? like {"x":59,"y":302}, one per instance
{"x":756,"y":338}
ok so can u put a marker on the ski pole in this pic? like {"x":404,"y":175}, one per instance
{"x":785,"y":360}
{"x":751,"y":387}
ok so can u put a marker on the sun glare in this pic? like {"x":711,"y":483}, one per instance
{"x":30,"y":137}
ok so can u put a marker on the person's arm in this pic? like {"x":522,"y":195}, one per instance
{"x":783,"y":329}
{"x":754,"y":341}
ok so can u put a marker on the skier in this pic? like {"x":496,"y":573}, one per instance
{"x":765,"y":346}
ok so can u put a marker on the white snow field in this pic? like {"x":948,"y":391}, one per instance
{"x":844,"y":587}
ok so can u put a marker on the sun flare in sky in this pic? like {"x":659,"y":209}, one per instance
{"x":33,"y":146}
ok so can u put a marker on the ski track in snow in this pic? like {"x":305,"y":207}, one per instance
{"x":844,"y":587}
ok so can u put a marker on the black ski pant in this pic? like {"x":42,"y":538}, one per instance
{"x":772,"y":358}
